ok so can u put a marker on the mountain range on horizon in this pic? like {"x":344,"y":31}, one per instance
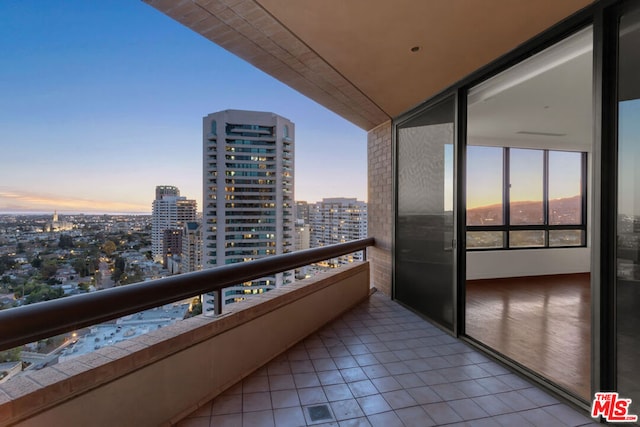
{"x":567,"y":210}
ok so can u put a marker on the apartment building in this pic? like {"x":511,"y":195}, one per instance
{"x":248,"y":194}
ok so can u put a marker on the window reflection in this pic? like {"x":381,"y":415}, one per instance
{"x":628,"y":229}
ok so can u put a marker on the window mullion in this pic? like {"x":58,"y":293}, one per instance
{"x":583,"y":187}
{"x":506,"y":195}
{"x":545,"y":196}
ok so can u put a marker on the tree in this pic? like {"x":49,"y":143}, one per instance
{"x":36,"y":262}
{"x":11,"y":355}
{"x":133,"y":276}
{"x":85,"y":266}
{"x":120,"y":264}
{"x":48,"y":269}
{"x":80,"y":266}
{"x":6,"y":263}
{"x":65,"y":242}
{"x":108,"y":247}
{"x":196,"y":309}
{"x":44,"y":293}
{"x":117,"y":275}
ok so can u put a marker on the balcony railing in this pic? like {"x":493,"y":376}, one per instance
{"x":38,"y":321}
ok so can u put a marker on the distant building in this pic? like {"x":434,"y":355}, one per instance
{"x":171,"y":244}
{"x":248,"y":194}
{"x":56,"y":224}
{"x":191,"y":246}
{"x":338,"y":220}
{"x":170,"y":211}
{"x":303,"y":235}
{"x":302,"y":211}
{"x":302,"y":241}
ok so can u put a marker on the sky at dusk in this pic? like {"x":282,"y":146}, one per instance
{"x":102,"y":101}
{"x":485,"y":175}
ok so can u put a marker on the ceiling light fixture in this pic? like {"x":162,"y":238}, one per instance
{"x":526,"y":132}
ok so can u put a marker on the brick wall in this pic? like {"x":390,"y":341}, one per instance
{"x":380,"y":204}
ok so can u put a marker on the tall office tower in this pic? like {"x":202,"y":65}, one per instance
{"x":302,"y":211}
{"x":248,"y":194}
{"x":169,"y":212}
{"x":191,"y":246}
{"x":338,"y":220}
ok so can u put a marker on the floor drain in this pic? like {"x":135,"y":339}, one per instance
{"x":319,"y":413}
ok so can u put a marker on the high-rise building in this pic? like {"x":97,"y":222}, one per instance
{"x":192,"y":246}
{"x":302,"y":211}
{"x":169,"y":212}
{"x":338,"y":220}
{"x":248,"y":193}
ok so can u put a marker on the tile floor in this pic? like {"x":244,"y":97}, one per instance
{"x":382,"y":365}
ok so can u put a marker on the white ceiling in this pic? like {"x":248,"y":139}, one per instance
{"x":554,"y":102}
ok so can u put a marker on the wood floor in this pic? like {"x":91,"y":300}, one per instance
{"x":542,"y":322}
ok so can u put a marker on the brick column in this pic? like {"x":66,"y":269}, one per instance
{"x":380,"y":204}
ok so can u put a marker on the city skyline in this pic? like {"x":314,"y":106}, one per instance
{"x":102,"y":102}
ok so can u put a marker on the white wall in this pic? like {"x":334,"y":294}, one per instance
{"x":529,"y":262}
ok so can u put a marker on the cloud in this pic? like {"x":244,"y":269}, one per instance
{"x":12,"y":200}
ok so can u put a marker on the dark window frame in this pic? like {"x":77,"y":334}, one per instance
{"x":507,"y":227}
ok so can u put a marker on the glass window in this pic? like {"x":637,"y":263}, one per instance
{"x":566,"y":238}
{"x":485,"y":239}
{"x":526,"y":239}
{"x":628,"y":229}
{"x":565,"y":188}
{"x":530,"y":171}
{"x":526,"y":180}
{"x":484,"y":185}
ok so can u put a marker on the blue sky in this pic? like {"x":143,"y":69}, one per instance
{"x":102,"y":101}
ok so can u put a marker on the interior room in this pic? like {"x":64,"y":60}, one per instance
{"x":528,"y":204}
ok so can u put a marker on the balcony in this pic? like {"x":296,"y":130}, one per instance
{"x":379,"y":364}
{"x":202,"y":354}
{"x":360,"y":358}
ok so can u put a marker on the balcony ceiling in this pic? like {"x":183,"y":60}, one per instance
{"x":355,"y":57}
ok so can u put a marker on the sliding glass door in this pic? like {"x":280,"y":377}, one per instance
{"x":628,"y":221}
{"x":424,"y":263}
{"x":528,"y":246}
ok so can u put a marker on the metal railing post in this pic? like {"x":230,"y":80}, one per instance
{"x":217,"y":302}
